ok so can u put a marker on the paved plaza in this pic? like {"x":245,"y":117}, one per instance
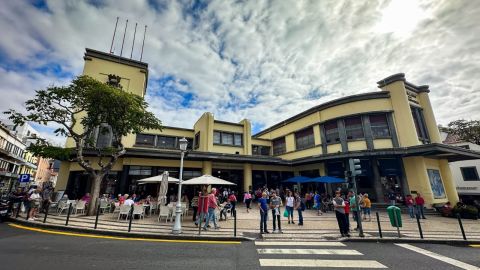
{"x":315,"y":227}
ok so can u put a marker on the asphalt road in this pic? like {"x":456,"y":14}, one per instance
{"x":23,"y":249}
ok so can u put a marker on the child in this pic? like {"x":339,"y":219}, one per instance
{"x":367,"y":205}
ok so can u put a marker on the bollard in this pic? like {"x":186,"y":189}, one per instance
{"x":96,"y":218}
{"x":396,"y":223}
{"x":379,"y":226}
{"x":131,"y":218}
{"x":68,"y":213}
{"x":235,"y":223}
{"x":461,"y":227}
{"x":419,"y":226}
{"x":46,"y":212}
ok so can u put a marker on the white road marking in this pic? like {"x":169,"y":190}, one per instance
{"x":309,"y":251}
{"x":321,"y":263}
{"x":440,"y":257}
{"x":292,"y":243}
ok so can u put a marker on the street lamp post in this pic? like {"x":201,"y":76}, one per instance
{"x":177,"y":227}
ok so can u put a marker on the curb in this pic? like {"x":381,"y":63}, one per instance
{"x":413,"y":241}
{"x":128,"y":234}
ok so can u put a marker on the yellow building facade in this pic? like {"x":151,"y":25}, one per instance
{"x":392,"y":131}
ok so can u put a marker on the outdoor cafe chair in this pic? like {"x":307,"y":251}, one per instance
{"x":62,"y":205}
{"x":164,"y":212}
{"x":80,"y":206}
{"x":138,"y":210}
{"x":153,"y":208}
{"x":104,"y":206}
{"x":124,"y":210}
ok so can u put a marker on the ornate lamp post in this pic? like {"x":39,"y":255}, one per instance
{"x":177,"y":228}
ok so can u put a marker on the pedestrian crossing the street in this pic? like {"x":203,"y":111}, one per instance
{"x":307,"y":254}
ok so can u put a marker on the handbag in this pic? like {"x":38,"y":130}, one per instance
{"x":285,"y":213}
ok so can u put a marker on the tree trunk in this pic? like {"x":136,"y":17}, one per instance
{"x":94,"y":193}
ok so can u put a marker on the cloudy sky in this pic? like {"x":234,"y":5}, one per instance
{"x":261,"y":60}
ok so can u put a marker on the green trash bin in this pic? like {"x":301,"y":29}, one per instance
{"x":395,"y":216}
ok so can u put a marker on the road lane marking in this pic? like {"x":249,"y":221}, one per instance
{"x":293,"y":243}
{"x":321,"y":263}
{"x":122,"y":238}
{"x":475,"y":246}
{"x":309,"y":251}
{"x":439,"y":257}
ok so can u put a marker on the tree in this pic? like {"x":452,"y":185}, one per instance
{"x":467,"y":130}
{"x":83,"y":110}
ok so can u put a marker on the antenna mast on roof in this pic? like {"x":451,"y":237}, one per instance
{"x":143,"y":43}
{"x":133,"y":45}
{"x":114,"y":31}
{"x":125,"y":32}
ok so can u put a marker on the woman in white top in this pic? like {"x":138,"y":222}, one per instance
{"x":34,"y":204}
{"x":290,"y":202}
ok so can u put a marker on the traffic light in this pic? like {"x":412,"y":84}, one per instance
{"x":355,"y":166}
{"x":348,"y":175}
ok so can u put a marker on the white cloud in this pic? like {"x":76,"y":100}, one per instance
{"x":260,"y":60}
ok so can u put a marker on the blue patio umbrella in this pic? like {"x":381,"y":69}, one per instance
{"x":298,"y":179}
{"x":327,"y":179}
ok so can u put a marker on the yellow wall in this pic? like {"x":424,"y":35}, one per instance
{"x":162,"y":162}
{"x":247,"y":136}
{"x":382,"y":143}
{"x":261,"y":142}
{"x":205,"y":125}
{"x":430,"y":121}
{"x":228,"y":149}
{"x":448,"y":181}
{"x":302,"y":153}
{"x":290,"y":143}
{"x":334,"y":148}
{"x":247,"y":176}
{"x":357,"y":145}
{"x":363,"y":106}
{"x":402,"y":114}
{"x":292,"y":127}
{"x":63,"y":174}
{"x":225,"y":127}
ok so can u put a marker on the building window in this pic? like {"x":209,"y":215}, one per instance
{"x":104,"y":137}
{"x":469,"y":173}
{"x":379,"y":126}
{"x":279,"y":146}
{"x":167,"y":142}
{"x":304,"y":139}
{"x":140,"y":170}
{"x":331,"y":132}
{"x":145,"y":140}
{"x":197,"y":141}
{"x":227,"y":138}
{"x":354,"y":128}
{"x":260,"y":150}
{"x":420,"y":125}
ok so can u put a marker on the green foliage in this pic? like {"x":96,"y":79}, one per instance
{"x":467,"y":130}
{"x":48,"y":151}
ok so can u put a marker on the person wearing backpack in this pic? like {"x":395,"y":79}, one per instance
{"x":300,"y":207}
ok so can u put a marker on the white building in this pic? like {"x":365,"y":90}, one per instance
{"x":465,"y":173}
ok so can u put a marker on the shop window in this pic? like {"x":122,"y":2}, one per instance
{"x":261,"y":150}
{"x":279,"y":146}
{"x":379,"y":126}
{"x":470,"y":174}
{"x":140,"y":170}
{"x":354,"y":128}
{"x":145,"y":140}
{"x":304,"y":139}
{"x":331,"y":132}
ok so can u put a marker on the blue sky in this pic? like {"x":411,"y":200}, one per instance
{"x":260,"y":60}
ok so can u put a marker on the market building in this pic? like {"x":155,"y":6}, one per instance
{"x":392,"y":131}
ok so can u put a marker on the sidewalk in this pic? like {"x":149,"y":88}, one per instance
{"x":315,"y":227}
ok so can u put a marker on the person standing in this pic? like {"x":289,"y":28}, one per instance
{"x":392,"y":198}
{"x":420,"y":202}
{"x":339,"y":206}
{"x":195,"y":206}
{"x":233,"y":201}
{"x":289,"y":205}
{"x":263,"y":207}
{"x":47,"y":191}
{"x":247,"y":199}
{"x":367,"y":206}
{"x":347,"y":213}
{"x":202,"y":208}
{"x":212,"y":205}
{"x":317,"y":203}
{"x":308,"y":199}
{"x":354,"y":207}
{"x":300,"y":207}
{"x":411,"y":205}
{"x":34,"y":199}
{"x":275,"y":204}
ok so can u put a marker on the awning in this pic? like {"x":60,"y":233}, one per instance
{"x":207,"y":180}
{"x":298,"y":179}
{"x":156,"y":179}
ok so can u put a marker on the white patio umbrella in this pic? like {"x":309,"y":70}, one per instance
{"x":156,"y":179}
{"x":206,"y":180}
{"x":162,"y":192}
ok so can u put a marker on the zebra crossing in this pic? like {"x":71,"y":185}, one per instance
{"x":311,"y":254}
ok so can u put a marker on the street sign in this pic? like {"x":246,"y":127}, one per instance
{"x":24,"y":178}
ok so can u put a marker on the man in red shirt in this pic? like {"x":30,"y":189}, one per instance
{"x":202,"y":207}
{"x":420,"y":202}
{"x":212,"y":205}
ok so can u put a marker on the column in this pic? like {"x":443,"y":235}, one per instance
{"x":247,"y":176}
{"x":343,"y":135}
{"x":448,"y":182}
{"x":376,"y":181}
{"x":367,"y":130}
{"x":323,"y":139}
{"x":207,"y":167}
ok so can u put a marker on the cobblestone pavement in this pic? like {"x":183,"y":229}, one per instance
{"x":315,"y":227}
